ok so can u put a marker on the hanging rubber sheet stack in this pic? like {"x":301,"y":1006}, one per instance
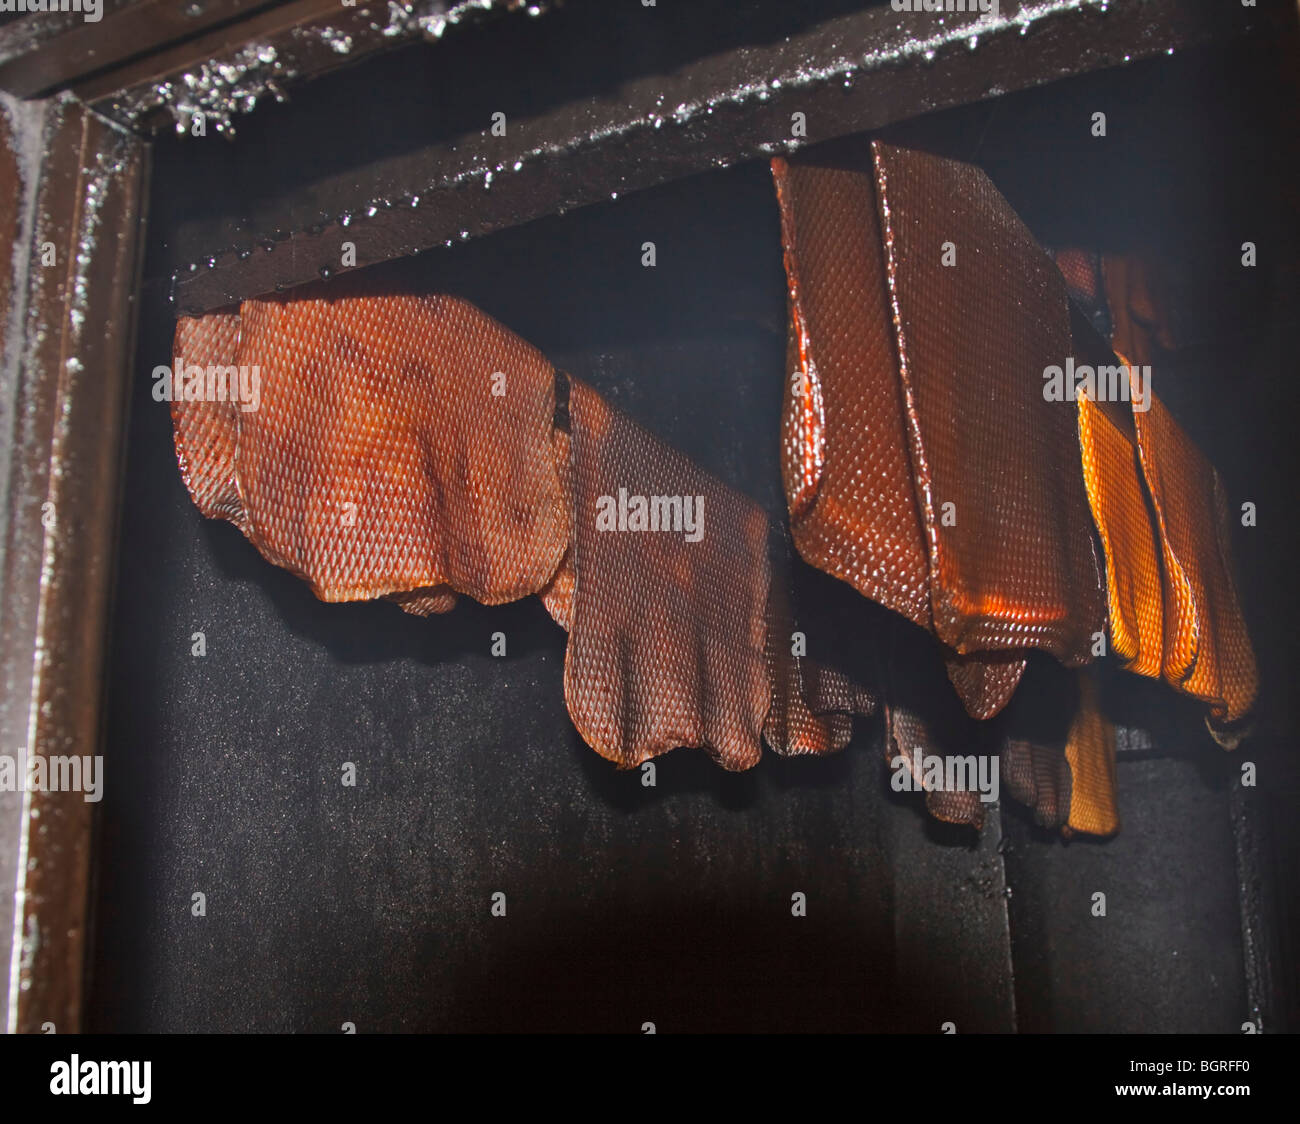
{"x":1161,"y":511}
{"x":412,"y":448}
{"x":926,"y":465}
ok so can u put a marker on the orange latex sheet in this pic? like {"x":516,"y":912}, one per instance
{"x":1163,"y":519}
{"x":413,"y":448}
{"x":1161,"y":512}
{"x":922,"y":463}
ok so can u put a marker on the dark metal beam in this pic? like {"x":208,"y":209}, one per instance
{"x":77,"y":293}
{"x":51,"y":50}
{"x":226,"y":71}
{"x":854,"y":72}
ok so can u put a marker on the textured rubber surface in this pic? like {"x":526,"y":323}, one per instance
{"x":1090,"y":754}
{"x":985,"y":681}
{"x":812,"y":705}
{"x":207,"y":433}
{"x":1037,"y":775}
{"x":1129,"y":540}
{"x":1162,"y":516}
{"x":668,"y":641}
{"x":413,"y":448}
{"x":1202,"y":610}
{"x":844,"y":453}
{"x":1012,"y":563}
{"x":379,"y":460}
{"x":917,"y":741}
{"x":853,"y":510}
{"x":921,"y":462}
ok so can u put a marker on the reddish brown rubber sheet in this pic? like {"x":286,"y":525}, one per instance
{"x":917,"y":743}
{"x":408,"y":447}
{"x":1202,"y":611}
{"x":1034,"y":732}
{"x":846,"y":466}
{"x":669,"y":636}
{"x":996,"y":465}
{"x":845,"y":460}
{"x":384,"y":455}
{"x":921,"y":461}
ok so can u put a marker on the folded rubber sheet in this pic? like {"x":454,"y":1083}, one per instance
{"x":925,"y":465}
{"x":922,"y":462}
{"x":1161,"y":512}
